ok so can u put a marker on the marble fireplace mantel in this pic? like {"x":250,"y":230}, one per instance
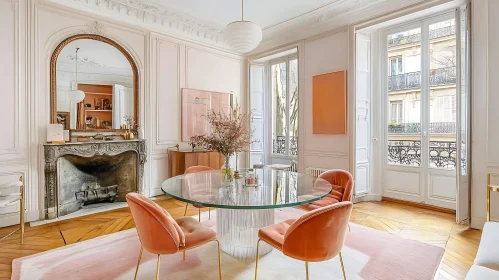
{"x":86,"y":149}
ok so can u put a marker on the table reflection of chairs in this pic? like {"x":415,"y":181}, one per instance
{"x":10,"y":193}
{"x":197,"y":192}
{"x":316,"y":236}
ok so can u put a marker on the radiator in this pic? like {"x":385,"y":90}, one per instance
{"x":315,"y":171}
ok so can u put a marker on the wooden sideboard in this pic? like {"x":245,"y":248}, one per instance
{"x":181,"y":160}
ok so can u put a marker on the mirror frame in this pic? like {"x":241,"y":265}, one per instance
{"x":53,"y":78}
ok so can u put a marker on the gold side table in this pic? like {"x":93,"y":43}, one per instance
{"x":489,"y":189}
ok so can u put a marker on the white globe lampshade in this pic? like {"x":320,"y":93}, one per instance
{"x":243,"y":36}
{"x":76,"y":95}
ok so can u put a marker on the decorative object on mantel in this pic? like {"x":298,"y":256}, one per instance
{"x":195,"y":106}
{"x":130,"y":124}
{"x":196,"y":141}
{"x":55,"y":133}
{"x":329,"y":105}
{"x":83,"y":138}
{"x":230,"y":134}
{"x":243,"y":36}
{"x":89,"y":150}
{"x":64,"y":119}
{"x":66,"y":135}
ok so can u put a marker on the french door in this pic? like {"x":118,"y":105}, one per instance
{"x":424,"y":102}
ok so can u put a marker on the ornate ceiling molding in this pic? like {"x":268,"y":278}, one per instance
{"x":156,"y":16}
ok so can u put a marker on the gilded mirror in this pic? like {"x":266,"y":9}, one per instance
{"x":94,"y":84}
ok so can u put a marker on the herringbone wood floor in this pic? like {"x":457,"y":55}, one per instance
{"x":424,"y":225}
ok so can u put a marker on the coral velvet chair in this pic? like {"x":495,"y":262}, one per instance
{"x":342,"y":182}
{"x":160,"y":234}
{"x":195,"y":169}
{"x":316,"y":236}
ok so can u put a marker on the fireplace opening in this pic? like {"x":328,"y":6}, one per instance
{"x":87,"y":181}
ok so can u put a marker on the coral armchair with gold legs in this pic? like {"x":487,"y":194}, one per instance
{"x":195,"y":169}
{"x":160,"y":234}
{"x":342,"y":189}
{"x":316,"y":236}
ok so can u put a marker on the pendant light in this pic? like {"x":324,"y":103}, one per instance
{"x":76,"y":95}
{"x":243,"y":36}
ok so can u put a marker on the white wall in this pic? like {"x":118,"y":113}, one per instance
{"x":32,"y":29}
{"x":322,"y":55}
{"x":485,"y":135}
{"x":182,"y":65}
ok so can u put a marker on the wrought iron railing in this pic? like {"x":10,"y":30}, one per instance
{"x":279,"y":145}
{"x":442,"y":154}
{"x":415,"y":128}
{"x":415,"y":38}
{"x":438,"y":77}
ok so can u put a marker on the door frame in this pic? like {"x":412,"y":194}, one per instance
{"x":423,"y":172}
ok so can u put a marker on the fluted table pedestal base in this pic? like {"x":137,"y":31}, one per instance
{"x":237,"y":231}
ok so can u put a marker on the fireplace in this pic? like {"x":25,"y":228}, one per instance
{"x":80,"y":174}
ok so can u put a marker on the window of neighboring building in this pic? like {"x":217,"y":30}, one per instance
{"x":396,"y":66}
{"x":396,"y":112}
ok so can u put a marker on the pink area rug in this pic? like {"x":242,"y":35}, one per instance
{"x":368,"y":254}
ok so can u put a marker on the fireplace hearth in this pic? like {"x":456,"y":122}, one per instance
{"x":80,"y":174}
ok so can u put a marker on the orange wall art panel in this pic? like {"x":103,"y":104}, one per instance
{"x":329,"y":105}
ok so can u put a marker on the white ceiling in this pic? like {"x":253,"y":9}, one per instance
{"x":265,"y":13}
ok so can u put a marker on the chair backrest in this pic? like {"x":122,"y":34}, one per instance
{"x":342,"y":182}
{"x":319,"y":234}
{"x":159,"y":233}
{"x":197,"y":168}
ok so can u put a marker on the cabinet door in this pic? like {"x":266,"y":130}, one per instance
{"x":203,"y":159}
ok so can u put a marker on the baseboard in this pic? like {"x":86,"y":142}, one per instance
{"x":420,"y":205}
{"x":13,"y":218}
{"x":367,"y":197}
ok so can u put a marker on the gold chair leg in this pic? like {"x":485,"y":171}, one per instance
{"x":184,"y":255}
{"x":138,"y":263}
{"x":22,"y":220}
{"x":23,"y":194}
{"x":342,"y":267}
{"x":157,"y":269}
{"x":256,"y":257}
{"x":306,"y":269}
{"x":349,"y":230}
{"x":199,"y":214}
{"x":185,"y":211}
{"x":219,"y":260}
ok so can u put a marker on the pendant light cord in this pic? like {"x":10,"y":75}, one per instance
{"x":242,"y":10}
{"x":77,"y":49}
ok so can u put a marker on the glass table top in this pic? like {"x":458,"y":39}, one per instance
{"x":275,"y":189}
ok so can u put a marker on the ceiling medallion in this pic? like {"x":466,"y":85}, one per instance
{"x":243,"y":36}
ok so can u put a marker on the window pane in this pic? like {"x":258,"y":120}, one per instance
{"x":293,"y":107}
{"x":404,"y":97}
{"x":442,"y":130}
{"x":279,"y":108}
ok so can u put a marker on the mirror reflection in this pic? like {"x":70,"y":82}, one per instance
{"x":95,"y":86}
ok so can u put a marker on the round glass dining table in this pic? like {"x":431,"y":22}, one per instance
{"x":243,"y":209}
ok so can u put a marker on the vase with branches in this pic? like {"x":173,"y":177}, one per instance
{"x":229,"y":134}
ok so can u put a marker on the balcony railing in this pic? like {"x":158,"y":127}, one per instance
{"x":279,"y":145}
{"x":442,"y":154}
{"x":415,"y":38}
{"x":415,"y":128}
{"x":438,"y":77}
